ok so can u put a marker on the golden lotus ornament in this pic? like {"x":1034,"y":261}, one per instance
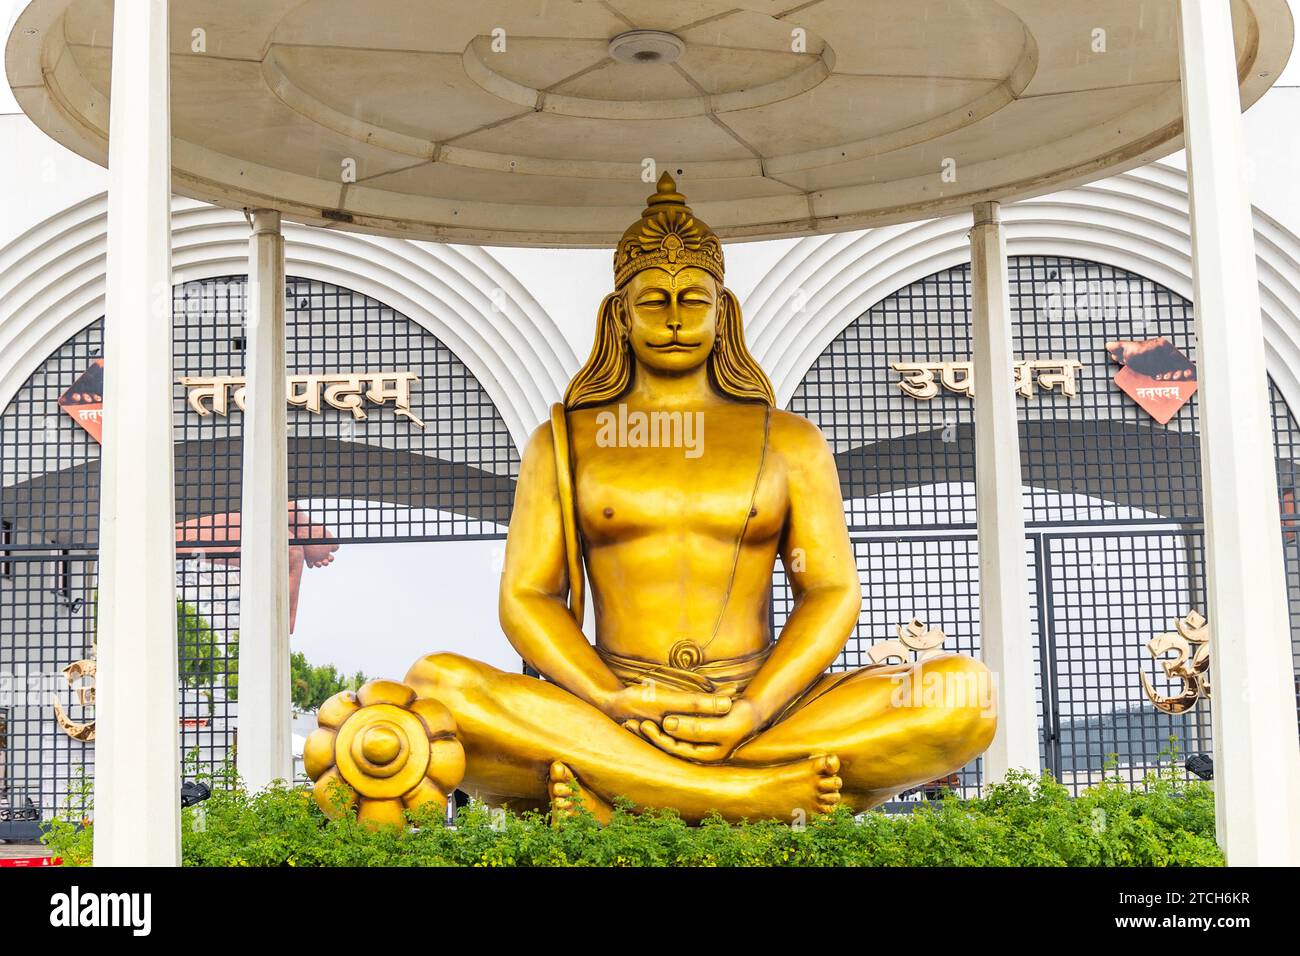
{"x":382,"y":751}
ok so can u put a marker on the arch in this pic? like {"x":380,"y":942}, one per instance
{"x":1137,"y":221}
{"x":52,"y":282}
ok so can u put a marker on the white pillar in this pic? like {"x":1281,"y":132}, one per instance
{"x":1005,"y":637}
{"x":1256,"y":754}
{"x":264,"y":743}
{"x":137,"y":751}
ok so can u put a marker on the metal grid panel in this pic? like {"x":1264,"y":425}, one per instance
{"x":49,"y":464}
{"x":207,"y":644}
{"x":378,"y":479}
{"x":1091,"y":458}
{"x":46,"y":623}
{"x":902,"y":462}
{"x":906,"y":463}
{"x":934,"y":578}
{"x":1108,"y":594}
{"x":1286,"y":440}
{"x":1089,"y":462}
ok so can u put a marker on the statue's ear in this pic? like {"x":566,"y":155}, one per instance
{"x":607,"y":371}
{"x":618,"y":314}
{"x":734,"y":369}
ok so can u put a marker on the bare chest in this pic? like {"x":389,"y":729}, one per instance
{"x":630,"y":489}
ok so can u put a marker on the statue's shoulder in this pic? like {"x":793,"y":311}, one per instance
{"x":794,"y":433}
{"x":539,"y":451}
{"x":541,"y":441}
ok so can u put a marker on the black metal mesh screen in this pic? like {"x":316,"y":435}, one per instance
{"x":49,"y":464}
{"x":45,"y":625}
{"x":1112,"y":498}
{"x":362,"y":479}
{"x":1286,"y":441}
{"x":1107,"y":595}
{"x":381,"y":478}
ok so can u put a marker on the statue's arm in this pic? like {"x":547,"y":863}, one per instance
{"x":820,"y":566}
{"x":534,"y":585}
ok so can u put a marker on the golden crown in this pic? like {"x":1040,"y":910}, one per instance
{"x":667,"y":236}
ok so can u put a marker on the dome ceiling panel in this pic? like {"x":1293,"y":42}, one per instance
{"x":719,"y":69}
{"x":529,"y":123}
{"x":542,"y":62}
{"x":1021,"y":125}
{"x":578,"y":139}
{"x":426,"y":96}
{"x":849,"y":109}
{"x":660,"y":81}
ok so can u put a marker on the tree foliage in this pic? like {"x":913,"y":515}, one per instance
{"x":315,"y":684}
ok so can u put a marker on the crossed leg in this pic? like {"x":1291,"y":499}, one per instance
{"x":892,"y":727}
{"x":515,"y":728}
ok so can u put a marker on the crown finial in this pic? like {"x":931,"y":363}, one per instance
{"x":667,"y":236}
{"x":665,"y":193}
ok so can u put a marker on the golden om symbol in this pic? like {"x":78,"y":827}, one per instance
{"x":85,"y":694}
{"x":1190,"y":664}
{"x":914,"y":636}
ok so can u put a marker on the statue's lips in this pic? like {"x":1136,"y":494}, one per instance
{"x":674,"y":346}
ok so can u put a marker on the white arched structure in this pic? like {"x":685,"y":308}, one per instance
{"x":1137,"y":221}
{"x":52,"y":282}
{"x":52,"y":286}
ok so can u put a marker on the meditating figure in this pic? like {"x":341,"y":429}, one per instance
{"x":670,"y":479}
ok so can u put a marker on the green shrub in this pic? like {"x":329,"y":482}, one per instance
{"x":1025,"y":822}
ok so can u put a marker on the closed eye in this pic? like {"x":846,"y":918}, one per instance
{"x":695,"y":295}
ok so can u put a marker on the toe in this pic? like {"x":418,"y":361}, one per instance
{"x":830,"y":785}
{"x":829,"y":764}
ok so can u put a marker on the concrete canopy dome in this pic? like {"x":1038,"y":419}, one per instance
{"x":521,"y":123}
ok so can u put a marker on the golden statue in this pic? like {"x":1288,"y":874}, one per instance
{"x":671,"y":478}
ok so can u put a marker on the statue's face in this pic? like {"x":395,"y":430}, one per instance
{"x":673,"y":318}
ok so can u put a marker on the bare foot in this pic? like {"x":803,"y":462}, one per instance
{"x":806,"y":786}
{"x":789,"y":793}
{"x":567,"y":793}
